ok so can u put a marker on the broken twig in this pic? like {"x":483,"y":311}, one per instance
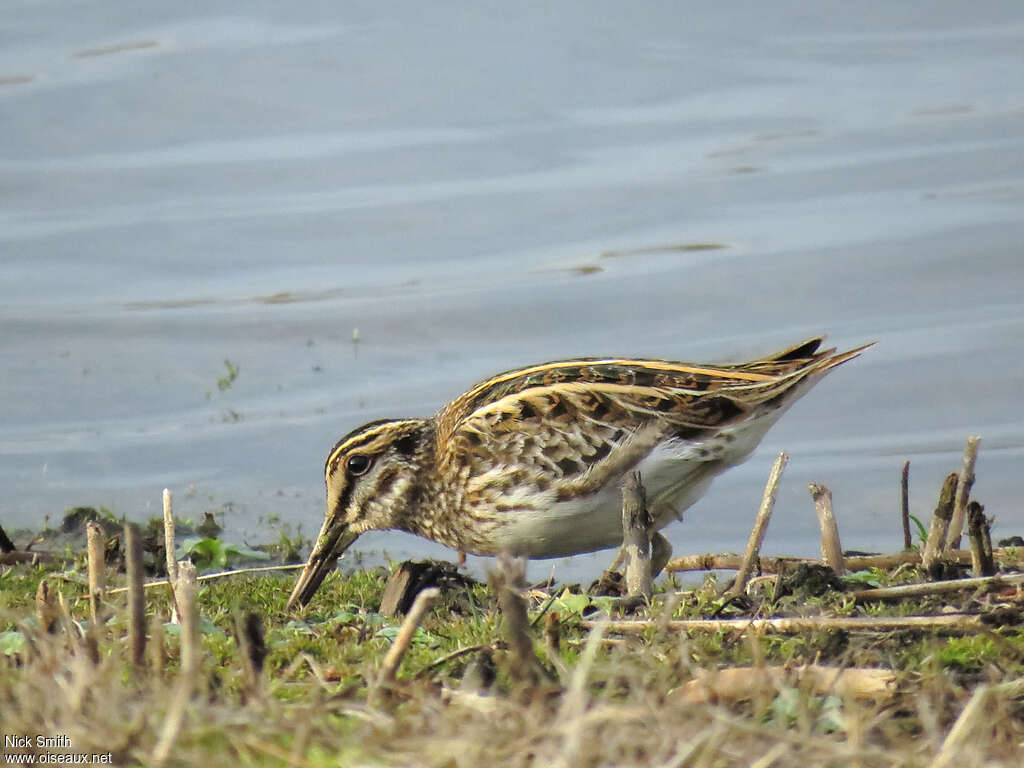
{"x":935,"y":587}
{"x":739,"y":683}
{"x":760,"y":526}
{"x":393,"y":659}
{"x":963,"y":491}
{"x":802,"y":624}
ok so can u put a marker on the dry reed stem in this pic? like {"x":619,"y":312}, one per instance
{"x":72,"y":631}
{"x":727,"y":561}
{"x":96,"y":543}
{"x":156,"y":647}
{"x":936,"y":587}
{"x":636,"y":537}
{"x":389,"y":668}
{"x":908,"y":542}
{"x":963,"y":491}
{"x":966,"y":726}
{"x":831,"y":549}
{"x":760,"y":527}
{"x":772,"y":756}
{"x":169,"y":544}
{"x":457,"y":653}
{"x":803,"y":624}
{"x":169,"y":553}
{"x":219,"y":575}
{"x":935,"y":546}
{"x":136,"y":596}
{"x":191,"y":654}
{"x":574,"y":703}
{"x":190,"y":662}
{"x":739,"y":683}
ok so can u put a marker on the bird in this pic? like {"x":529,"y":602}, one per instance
{"x":530,"y":461}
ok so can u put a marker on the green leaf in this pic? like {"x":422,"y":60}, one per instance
{"x":207,"y":552}
{"x":206,"y":627}
{"x":238,"y":550}
{"x":867,"y":578}
{"x":786,"y":705}
{"x":11,"y":643}
{"x":922,"y":532}
{"x":201,"y":551}
{"x":570,"y":603}
{"x":831,"y":719}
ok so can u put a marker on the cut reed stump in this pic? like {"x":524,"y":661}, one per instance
{"x":935,"y":546}
{"x":982,"y":562}
{"x":97,"y":545}
{"x":47,"y":615}
{"x":831,"y":549}
{"x":136,"y":594}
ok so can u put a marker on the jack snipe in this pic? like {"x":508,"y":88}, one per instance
{"x":530,"y":461}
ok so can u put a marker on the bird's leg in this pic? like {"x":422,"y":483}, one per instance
{"x":661,"y":551}
{"x":462,"y":559}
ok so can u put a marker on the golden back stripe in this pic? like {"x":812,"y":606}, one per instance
{"x":574,"y":387}
{"x":656,"y":365}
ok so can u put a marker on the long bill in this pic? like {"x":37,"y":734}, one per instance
{"x":334,"y":538}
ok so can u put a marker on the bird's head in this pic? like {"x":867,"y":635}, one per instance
{"x":373,"y":481}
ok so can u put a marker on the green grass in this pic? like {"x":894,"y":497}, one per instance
{"x":314,"y":706}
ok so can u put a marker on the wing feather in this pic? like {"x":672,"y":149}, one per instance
{"x":575,"y":422}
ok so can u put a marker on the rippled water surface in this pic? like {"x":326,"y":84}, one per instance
{"x":476,"y":187}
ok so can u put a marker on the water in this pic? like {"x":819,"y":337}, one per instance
{"x":474,"y":188}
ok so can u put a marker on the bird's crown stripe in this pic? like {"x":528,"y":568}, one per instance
{"x":366,"y":438}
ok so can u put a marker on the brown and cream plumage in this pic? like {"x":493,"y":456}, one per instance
{"x":530,"y":461}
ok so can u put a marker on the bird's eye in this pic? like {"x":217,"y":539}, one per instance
{"x":358,"y":464}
